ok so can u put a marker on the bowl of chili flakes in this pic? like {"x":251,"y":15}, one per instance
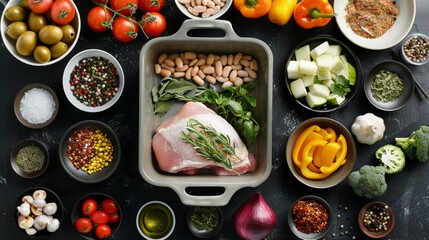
{"x":310,"y":217}
{"x":89,"y":151}
{"x":375,"y":25}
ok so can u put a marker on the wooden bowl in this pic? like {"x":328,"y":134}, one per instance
{"x":373,"y":234}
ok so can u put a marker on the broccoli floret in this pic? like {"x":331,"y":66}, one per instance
{"x":391,"y":158}
{"x":368,"y":181}
{"x":416,"y":145}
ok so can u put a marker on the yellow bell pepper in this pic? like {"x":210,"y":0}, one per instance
{"x":332,"y":134}
{"x":340,"y":157}
{"x":299,"y":143}
{"x":281,"y":11}
{"x":307,"y":158}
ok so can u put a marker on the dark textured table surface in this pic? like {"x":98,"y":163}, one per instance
{"x":408,"y":192}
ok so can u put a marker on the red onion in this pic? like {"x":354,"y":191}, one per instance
{"x":255,"y":219}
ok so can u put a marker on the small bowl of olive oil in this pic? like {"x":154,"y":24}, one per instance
{"x":155,"y":220}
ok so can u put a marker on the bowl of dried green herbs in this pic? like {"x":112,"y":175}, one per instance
{"x":205,"y":221}
{"x":389,"y":85}
{"x":29,"y":158}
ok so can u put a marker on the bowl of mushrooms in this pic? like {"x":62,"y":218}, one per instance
{"x":38,"y":212}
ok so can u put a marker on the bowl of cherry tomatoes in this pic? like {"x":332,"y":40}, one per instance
{"x":96,"y":216}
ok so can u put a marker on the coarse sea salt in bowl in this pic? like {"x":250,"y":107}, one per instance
{"x":36,"y":105}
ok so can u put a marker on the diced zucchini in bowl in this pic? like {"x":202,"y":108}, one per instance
{"x":319,"y":50}
{"x":319,"y":90}
{"x":334,"y":99}
{"x":303,"y":53}
{"x":293,"y":70}
{"x":298,"y":89}
{"x":307,"y":67}
{"x":315,"y":101}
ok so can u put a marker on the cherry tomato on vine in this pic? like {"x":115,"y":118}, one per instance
{"x":62,"y":12}
{"x":125,"y":30}
{"x":151,"y":5}
{"x":103,"y":231}
{"x":125,"y":7}
{"x":154,"y":24}
{"x":114,"y":217}
{"x":99,"y":19}
{"x":40,"y":6}
{"x":100,"y":217}
{"x":89,"y":206}
{"x":109,"y":206}
{"x":83,"y":225}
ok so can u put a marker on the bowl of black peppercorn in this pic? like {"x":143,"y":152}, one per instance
{"x":415,"y":49}
{"x":376,"y":219}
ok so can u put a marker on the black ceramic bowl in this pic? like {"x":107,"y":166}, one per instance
{"x":81,"y":175}
{"x":303,"y":235}
{"x":98,"y":197}
{"x":351,"y":58}
{"x":25,"y":143}
{"x":403,"y":72}
{"x":50,"y":197}
{"x":204,"y":233}
{"x":379,"y":234}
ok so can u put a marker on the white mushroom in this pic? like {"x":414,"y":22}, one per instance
{"x":53,"y":225}
{"x":39,"y":203}
{"x":36,"y":211}
{"x":50,"y":208}
{"x":31,"y":231}
{"x":28,"y":199}
{"x":39,"y":194}
{"x":40,"y":222}
{"x":24,"y":209}
{"x":25,"y":222}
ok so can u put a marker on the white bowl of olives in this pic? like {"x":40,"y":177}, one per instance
{"x":39,"y":38}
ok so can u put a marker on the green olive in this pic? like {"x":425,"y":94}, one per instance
{"x":58,"y":49}
{"x":26,"y":43}
{"x":15,"y":13}
{"x":50,"y":34}
{"x":42,"y":54}
{"x":15,"y":29}
{"x":24,"y":4}
{"x":36,"y":22}
{"x":69,"y":34}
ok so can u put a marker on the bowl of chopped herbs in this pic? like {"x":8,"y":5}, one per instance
{"x":389,"y":85}
{"x":29,"y":158}
{"x":205,"y":222}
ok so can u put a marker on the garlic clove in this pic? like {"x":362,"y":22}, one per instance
{"x":39,"y":194}
{"x":25,"y":222}
{"x":36,"y":211}
{"x":50,"y":208}
{"x":31,"y":231}
{"x":24,"y":209}
{"x":53,"y":225}
{"x":39,"y":203}
{"x":40,"y":222}
{"x":29,"y":199}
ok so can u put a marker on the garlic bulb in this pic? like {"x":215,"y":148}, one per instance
{"x":50,"y":208}
{"x":39,"y":194}
{"x":24,"y":209}
{"x":28,"y":199}
{"x":30,"y":231}
{"x":368,"y":128}
{"x":40,"y":222}
{"x":39,"y":202}
{"x":53,"y":225}
{"x":25,"y":222}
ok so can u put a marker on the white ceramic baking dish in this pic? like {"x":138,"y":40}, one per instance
{"x":229,"y":42}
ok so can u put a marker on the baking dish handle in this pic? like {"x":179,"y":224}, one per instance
{"x":194,"y":24}
{"x":205,"y":200}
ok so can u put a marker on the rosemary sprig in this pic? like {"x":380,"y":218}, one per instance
{"x":208,"y":143}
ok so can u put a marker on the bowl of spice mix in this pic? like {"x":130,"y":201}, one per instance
{"x":376,"y":219}
{"x":310,"y":217}
{"x":29,"y":158}
{"x":389,"y":85}
{"x":36,"y":105}
{"x":89,"y":151}
{"x":415,"y":49}
{"x":93,"y":80}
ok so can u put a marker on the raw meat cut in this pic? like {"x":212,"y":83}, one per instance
{"x":174,"y":155}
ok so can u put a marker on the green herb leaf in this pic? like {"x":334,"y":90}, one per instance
{"x":179,"y":87}
{"x":162,"y":107}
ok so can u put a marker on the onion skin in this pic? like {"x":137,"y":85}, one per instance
{"x":255,"y":219}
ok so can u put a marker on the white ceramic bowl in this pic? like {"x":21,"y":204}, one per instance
{"x":221,"y":12}
{"x":71,"y":65}
{"x":10,"y":43}
{"x":157,"y":213}
{"x":393,"y":36}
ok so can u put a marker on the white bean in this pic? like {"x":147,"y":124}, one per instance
{"x":178,"y":74}
{"x":210,"y":59}
{"x":157,"y":68}
{"x":222,"y":79}
{"x":238,"y":81}
{"x":169,"y":62}
{"x":190,"y":55}
{"x":226,"y":71}
{"x":218,"y":68}
{"x":188,"y":73}
{"x":207,"y":13}
{"x":165,"y":73}
{"x":211,"y":79}
{"x":162,"y":58}
{"x":200,"y":8}
{"x":182,"y":69}
{"x":243,"y":73}
{"x":233,"y":75}
{"x":227,"y":84}
{"x":208,"y":70}
{"x":224,"y":60}
{"x":237,"y":58}
{"x":201,"y":74}
{"x":179,"y":62}
{"x":198,"y":80}
{"x":184,"y":1}
{"x":251,"y":73}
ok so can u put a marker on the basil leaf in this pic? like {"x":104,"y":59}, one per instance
{"x":179,"y":87}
